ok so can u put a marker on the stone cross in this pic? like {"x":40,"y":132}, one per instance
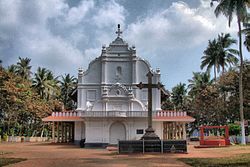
{"x":150,"y":131}
{"x":118,"y":32}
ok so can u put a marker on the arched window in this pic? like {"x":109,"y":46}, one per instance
{"x":118,"y":71}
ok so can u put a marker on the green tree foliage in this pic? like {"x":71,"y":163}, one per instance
{"x":46,"y":84}
{"x":23,"y":68}
{"x":179,"y":96}
{"x":218,"y":103}
{"x":234,"y":129}
{"x":229,"y":8}
{"x":68,"y":85}
{"x":219,"y":54}
{"x":22,"y":107}
{"x":199,"y":81}
{"x":23,"y":102}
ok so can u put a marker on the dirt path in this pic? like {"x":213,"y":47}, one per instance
{"x":45,"y":155}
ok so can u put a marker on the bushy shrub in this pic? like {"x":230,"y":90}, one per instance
{"x":5,"y":137}
{"x":234,"y":129}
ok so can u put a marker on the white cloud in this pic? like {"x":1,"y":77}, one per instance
{"x":177,"y":27}
{"x":55,"y":35}
{"x":111,"y":13}
{"x":24,"y":32}
{"x":76,"y":14}
{"x":91,"y":53}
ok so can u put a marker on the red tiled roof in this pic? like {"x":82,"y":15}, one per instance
{"x":61,"y":118}
{"x":174,"y":118}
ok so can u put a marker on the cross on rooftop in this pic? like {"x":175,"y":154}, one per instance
{"x":118,"y":32}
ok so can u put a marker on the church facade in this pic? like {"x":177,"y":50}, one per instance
{"x":110,"y":107}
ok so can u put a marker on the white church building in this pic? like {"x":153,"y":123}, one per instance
{"x":110,"y":107}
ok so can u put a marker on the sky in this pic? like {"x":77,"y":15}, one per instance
{"x":63,"y":35}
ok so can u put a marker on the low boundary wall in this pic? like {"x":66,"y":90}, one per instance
{"x":143,"y":146}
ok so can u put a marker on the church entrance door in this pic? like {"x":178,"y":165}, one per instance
{"x":117,"y":132}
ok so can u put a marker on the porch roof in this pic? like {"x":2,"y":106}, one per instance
{"x":166,"y":116}
{"x":174,"y":118}
{"x":62,"y":119}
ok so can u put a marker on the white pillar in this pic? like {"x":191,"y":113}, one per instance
{"x":180,"y":130}
{"x":184,"y":130}
{"x":167,"y":130}
{"x":53,"y":131}
{"x":57,"y":128}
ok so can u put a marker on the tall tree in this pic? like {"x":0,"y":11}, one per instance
{"x":12,"y":69}
{"x":24,"y":68}
{"x":246,"y":32}
{"x":211,"y":57}
{"x":199,"y":82}
{"x":178,"y":95}
{"x":45,"y":83}
{"x":68,"y":84}
{"x":227,"y":55}
{"x":219,"y":54}
{"x":204,"y":96}
{"x":229,"y":8}
{"x":247,"y":39}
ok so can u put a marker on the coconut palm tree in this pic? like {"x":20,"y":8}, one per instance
{"x":229,"y":8}
{"x":219,"y":54}
{"x":45,"y":83}
{"x":199,"y":81}
{"x":67,"y":84}
{"x":53,"y":89}
{"x":211,"y":57}
{"x":246,"y":32}
{"x":247,"y":40}
{"x":12,"y":69}
{"x":23,"y":68}
{"x":178,"y":95}
{"x":227,"y":55}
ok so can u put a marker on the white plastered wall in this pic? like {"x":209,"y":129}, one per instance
{"x":79,"y":130}
{"x":158,"y":127}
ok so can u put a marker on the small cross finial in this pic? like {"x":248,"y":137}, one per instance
{"x":118,"y":32}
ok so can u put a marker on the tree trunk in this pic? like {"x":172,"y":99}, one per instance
{"x":243,"y":140}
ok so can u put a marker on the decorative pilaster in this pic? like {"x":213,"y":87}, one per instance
{"x":104,"y":64}
{"x":79,"y":90}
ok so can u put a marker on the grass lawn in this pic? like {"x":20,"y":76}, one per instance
{"x":7,"y":161}
{"x":239,"y":161}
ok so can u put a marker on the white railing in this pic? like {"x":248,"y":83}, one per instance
{"x":171,"y":113}
{"x":119,"y":114}
{"x":113,"y":114}
{"x":65,"y":114}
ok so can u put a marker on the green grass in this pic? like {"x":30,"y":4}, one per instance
{"x":7,"y":161}
{"x":236,"y":161}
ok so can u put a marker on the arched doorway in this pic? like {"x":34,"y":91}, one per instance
{"x":117,"y":132}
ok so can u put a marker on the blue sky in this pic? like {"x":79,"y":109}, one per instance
{"x":63,"y":35}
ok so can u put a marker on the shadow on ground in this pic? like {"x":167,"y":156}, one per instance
{"x":132,"y":161}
